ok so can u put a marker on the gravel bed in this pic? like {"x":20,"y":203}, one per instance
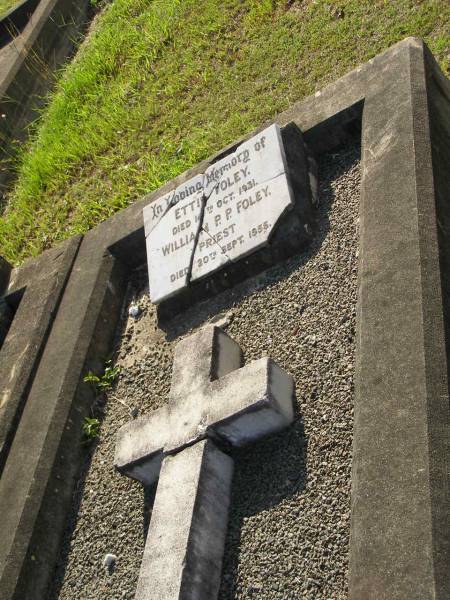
{"x":289,"y":523}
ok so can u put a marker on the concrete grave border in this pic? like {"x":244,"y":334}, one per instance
{"x":33,"y":294}
{"x":400,"y":527}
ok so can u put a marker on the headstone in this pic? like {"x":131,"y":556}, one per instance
{"x":220,"y":217}
{"x":212,"y":399}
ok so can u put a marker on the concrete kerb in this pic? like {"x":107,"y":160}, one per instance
{"x":36,"y":493}
{"x":83,"y":329}
{"x":400,"y":521}
{"x":34,"y":292}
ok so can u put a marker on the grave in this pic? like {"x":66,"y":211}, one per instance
{"x":335,"y":502}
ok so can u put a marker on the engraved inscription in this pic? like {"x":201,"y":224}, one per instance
{"x":217,"y":217}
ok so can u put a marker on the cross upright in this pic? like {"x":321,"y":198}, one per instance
{"x":214,"y":402}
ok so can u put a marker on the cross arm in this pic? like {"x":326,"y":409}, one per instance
{"x":140,"y":444}
{"x":252,"y":402}
{"x":241,"y":407}
{"x":200,"y":358}
{"x":220,"y":401}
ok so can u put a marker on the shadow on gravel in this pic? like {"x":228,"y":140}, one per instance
{"x":57,"y":580}
{"x":265,"y":474}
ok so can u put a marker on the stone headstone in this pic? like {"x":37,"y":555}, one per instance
{"x":218,"y":217}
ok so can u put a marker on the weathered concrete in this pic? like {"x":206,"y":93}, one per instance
{"x":185,"y":542}
{"x":36,"y":493}
{"x":400,"y":543}
{"x":27,"y":333}
{"x":211,"y":395}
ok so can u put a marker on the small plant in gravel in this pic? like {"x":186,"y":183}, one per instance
{"x":105,"y":381}
{"x":91,"y":428}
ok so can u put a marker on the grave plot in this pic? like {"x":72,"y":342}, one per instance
{"x":289,"y":526}
{"x":289,"y":514}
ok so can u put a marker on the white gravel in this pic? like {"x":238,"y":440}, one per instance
{"x":289,"y":524}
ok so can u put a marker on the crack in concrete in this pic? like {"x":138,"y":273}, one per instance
{"x":171,"y":202}
{"x":197,"y":235}
{"x":217,"y":244}
{"x":200,"y":228}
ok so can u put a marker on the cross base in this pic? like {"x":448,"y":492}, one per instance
{"x":185,"y":542}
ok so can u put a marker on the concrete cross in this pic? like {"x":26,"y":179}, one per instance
{"x":214,"y":402}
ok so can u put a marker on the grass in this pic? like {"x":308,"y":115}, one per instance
{"x":6,"y":5}
{"x":161,"y":84}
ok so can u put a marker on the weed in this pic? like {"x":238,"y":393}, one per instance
{"x":91,"y":429}
{"x":105,"y":381}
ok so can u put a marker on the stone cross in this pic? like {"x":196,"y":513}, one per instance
{"x":214,"y":402}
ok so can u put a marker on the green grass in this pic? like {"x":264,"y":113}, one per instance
{"x":161,"y":84}
{"x":6,"y":5}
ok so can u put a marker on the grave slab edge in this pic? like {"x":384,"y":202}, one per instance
{"x":28,"y":332}
{"x":36,"y":494}
{"x":399,"y":519}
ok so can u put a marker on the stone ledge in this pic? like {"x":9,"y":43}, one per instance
{"x":36,"y":493}
{"x":400,"y":534}
{"x":28,"y":331}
